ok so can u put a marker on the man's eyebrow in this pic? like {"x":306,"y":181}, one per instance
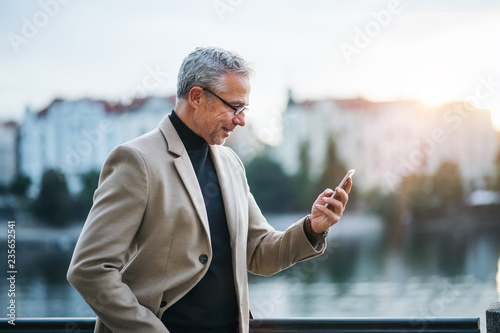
{"x":239,"y":102}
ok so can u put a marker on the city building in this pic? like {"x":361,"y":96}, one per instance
{"x":76,"y":136}
{"x":383,"y":141}
{"x":386,"y":141}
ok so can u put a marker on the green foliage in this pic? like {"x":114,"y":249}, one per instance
{"x":303,"y":188}
{"x":272,"y":188}
{"x":334,"y":169}
{"x":275,"y":191}
{"x":53,"y":203}
{"x":496,"y":183}
{"x":420,"y":196}
{"x":20,"y":186}
{"x":385,"y":205}
{"x":431,"y":196}
{"x":84,"y":201}
{"x":492,"y":181}
{"x":333,"y":172}
{"x":416,"y":196}
{"x":448,"y":188}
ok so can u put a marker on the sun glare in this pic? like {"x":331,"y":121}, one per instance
{"x":495,"y":119}
{"x":431,"y":95}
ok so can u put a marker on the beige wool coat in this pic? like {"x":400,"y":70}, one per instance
{"x":143,"y":244}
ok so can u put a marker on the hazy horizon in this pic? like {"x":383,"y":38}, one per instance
{"x":376,"y":50}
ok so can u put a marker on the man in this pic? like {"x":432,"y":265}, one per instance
{"x":174,"y":228}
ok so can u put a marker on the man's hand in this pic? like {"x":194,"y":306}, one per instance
{"x":323,"y":218}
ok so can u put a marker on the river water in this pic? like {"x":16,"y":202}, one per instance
{"x":364,"y":273}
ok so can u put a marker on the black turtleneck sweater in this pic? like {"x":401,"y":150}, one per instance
{"x":211,"y":306}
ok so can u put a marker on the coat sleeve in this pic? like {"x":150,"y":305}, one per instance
{"x":270,"y":251}
{"x":108,"y":239}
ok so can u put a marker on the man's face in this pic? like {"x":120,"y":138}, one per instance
{"x":214,"y":120}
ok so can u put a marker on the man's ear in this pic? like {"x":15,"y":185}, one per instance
{"x":195,"y":97}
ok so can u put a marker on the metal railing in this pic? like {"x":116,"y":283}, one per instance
{"x":289,"y":325}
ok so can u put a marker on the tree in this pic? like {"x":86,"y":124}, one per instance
{"x":448,"y":188}
{"x":496,"y":184}
{"x":334,"y":170}
{"x":416,"y":196}
{"x":385,"y":205}
{"x":272,"y":188}
{"x":53,"y":203}
{"x":85,"y":199}
{"x":433,"y":196}
{"x":20,"y":185}
{"x":303,"y":186}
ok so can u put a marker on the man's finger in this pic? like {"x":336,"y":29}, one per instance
{"x":348,"y":185}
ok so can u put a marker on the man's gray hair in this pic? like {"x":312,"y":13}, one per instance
{"x":207,"y":67}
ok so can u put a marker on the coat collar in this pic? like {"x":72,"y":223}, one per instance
{"x":188,"y":176}
{"x":174,"y":142}
{"x":185,"y":169}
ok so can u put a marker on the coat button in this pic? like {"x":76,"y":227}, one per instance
{"x":203,"y":259}
{"x":162,"y":304}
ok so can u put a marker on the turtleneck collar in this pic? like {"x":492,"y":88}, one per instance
{"x":190,"y":139}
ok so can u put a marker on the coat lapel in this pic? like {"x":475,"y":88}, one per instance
{"x":185,"y":169}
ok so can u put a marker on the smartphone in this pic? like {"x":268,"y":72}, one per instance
{"x":342,"y":182}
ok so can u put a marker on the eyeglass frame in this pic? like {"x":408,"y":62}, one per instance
{"x":236,"y":110}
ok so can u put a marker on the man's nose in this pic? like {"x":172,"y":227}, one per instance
{"x":240,"y":119}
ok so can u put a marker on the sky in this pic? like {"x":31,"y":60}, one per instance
{"x":379,"y":50}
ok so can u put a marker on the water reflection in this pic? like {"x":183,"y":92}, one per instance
{"x":45,"y":263}
{"x":357,"y":251}
{"x":366,"y":273}
{"x":498,"y":279}
{"x":363,"y":273}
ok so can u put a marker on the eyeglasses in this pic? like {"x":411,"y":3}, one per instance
{"x":236,"y":110}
